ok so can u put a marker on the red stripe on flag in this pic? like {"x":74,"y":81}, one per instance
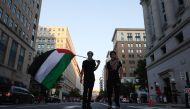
{"x":65,"y":51}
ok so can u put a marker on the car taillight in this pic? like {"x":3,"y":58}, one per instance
{"x":8,"y":94}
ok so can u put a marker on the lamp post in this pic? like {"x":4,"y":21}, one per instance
{"x":187,"y":86}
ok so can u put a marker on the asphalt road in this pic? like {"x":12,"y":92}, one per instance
{"x":73,"y":105}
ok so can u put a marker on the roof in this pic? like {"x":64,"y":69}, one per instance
{"x":126,"y":29}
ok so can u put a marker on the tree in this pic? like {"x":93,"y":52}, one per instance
{"x":127,"y":88}
{"x":75,"y":93}
{"x":141,"y":73}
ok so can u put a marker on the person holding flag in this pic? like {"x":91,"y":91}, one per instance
{"x":87,"y":78}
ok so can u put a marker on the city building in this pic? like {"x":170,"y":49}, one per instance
{"x":129,"y":44}
{"x":18,"y":27}
{"x":52,"y":37}
{"x":104,"y":76}
{"x":167,"y":24}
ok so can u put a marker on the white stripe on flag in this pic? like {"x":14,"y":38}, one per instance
{"x":48,"y":65}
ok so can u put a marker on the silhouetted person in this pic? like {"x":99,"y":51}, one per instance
{"x":88,"y":68}
{"x":114,"y":73}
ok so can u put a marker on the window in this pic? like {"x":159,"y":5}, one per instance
{"x":138,"y":38}
{"x":12,"y":55}
{"x":144,"y":45}
{"x":38,"y":6}
{"x":152,"y":57}
{"x":144,"y":38}
{"x":29,"y":56}
{"x":3,"y":46}
{"x":180,"y":38}
{"x":140,"y":45}
{"x":163,"y":49}
{"x":130,"y":45}
{"x":129,"y":37}
{"x":122,"y":38}
{"x":42,"y":46}
{"x":140,"y":51}
{"x":130,"y":51}
{"x":11,"y":23}
{"x":123,"y":51}
{"x":9,"y":3}
{"x":21,"y":59}
{"x":139,"y":56}
{"x":181,"y":2}
{"x":20,"y":32}
{"x":131,"y":62}
{"x":163,"y":6}
{"x":23,"y":34}
{"x":131,"y":56}
{"x":22,"y":19}
{"x":123,"y":55}
{"x":137,"y":34}
{"x":122,"y":45}
{"x":165,"y":18}
{"x":1,"y":12}
{"x":123,"y":61}
{"x":28,"y":27}
{"x":62,"y":29}
{"x":16,"y":27}
{"x":6,"y":18}
{"x":129,"y":34}
{"x":137,"y":51}
{"x":39,"y":46}
{"x":14,"y":9}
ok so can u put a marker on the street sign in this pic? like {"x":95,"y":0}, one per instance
{"x":187,"y":90}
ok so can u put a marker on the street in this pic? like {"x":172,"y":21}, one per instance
{"x":73,"y":105}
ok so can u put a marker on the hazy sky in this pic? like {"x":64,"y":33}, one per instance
{"x":92,"y":23}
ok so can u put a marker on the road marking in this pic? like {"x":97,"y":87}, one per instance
{"x":4,"y":106}
{"x":43,"y":105}
{"x":146,"y":107}
{"x":107,"y":105}
{"x":71,"y":107}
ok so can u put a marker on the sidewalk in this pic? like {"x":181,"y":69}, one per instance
{"x":168,"y":105}
{"x":180,"y":106}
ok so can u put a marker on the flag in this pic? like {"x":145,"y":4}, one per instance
{"x":49,"y":66}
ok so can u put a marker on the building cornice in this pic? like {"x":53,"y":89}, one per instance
{"x":126,"y":29}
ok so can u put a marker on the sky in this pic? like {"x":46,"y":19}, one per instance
{"x":91,"y":23}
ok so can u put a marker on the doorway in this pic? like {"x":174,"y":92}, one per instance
{"x":167,"y":90}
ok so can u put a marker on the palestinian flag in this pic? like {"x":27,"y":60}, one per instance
{"x":49,"y":66}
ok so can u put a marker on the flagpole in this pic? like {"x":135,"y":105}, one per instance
{"x":84,"y":57}
{"x":81,"y":56}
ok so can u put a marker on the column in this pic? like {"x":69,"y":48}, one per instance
{"x":170,"y":12}
{"x":156,"y":18}
{"x":187,"y":3}
{"x":147,"y":24}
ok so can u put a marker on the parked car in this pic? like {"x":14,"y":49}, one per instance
{"x":15,"y":94}
{"x":52,"y":99}
{"x":125,"y":100}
